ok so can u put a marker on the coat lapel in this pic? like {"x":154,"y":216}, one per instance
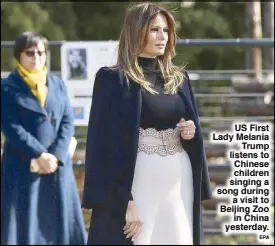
{"x":186,"y":97}
{"x":51,"y":92}
{"x":24,"y":96}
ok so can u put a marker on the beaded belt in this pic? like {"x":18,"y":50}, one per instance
{"x":163,"y":143}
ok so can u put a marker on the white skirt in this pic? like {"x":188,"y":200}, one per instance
{"x":163,"y":194}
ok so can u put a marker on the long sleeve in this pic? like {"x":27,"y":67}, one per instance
{"x":21,"y":139}
{"x":59,"y":148}
{"x":96,"y":145}
{"x":110,"y":145}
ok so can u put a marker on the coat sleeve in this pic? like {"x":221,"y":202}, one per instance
{"x":59,"y":148}
{"x":100,"y":123}
{"x":13,"y":131}
{"x":104,"y":159}
{"x":206,"y":191}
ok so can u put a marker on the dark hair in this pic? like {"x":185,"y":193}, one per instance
{"x":27,"y":40}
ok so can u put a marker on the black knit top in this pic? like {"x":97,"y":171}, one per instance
{"x":160,"y":111}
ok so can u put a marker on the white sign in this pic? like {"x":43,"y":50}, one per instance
{"x":79,"y":63}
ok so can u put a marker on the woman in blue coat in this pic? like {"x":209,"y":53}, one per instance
{"x":39,"y":198}
{"x":145,"y":169}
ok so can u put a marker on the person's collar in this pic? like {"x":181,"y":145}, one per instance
{"x":148,"y":63}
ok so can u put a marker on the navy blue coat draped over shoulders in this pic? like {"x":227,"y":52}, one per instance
{"x":111,"y":150}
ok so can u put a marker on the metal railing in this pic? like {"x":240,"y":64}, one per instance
{"x":241,"y":42}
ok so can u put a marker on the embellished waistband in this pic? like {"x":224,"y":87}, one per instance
{"x":163,"y":143}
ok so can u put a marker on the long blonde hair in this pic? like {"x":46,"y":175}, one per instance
{"x":132,"y":42}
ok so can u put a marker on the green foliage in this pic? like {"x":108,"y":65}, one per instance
{"x":63,"y":21}
{"x":99,"y":21}
{"x":201,"y":21}
{"x":213,"y":20}
{"x":17,"y":17}
{"x":87,"y":21}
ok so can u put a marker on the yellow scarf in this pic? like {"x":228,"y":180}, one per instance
{"x":36,"y":81}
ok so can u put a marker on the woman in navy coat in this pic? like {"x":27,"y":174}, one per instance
{"x":39,"y":199}
{"x":145,"y":170}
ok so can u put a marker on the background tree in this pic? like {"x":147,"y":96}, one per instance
{"x":87,"y":21}
{"x":256,"y":34}
{"x":17,"y":17}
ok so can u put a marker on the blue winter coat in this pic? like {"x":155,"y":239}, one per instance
{"x":38,"y":209}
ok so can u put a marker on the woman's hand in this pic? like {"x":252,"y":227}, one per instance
{"x":187,"y":129}
{"x":133,"y":223}
{"x":48,"y":163}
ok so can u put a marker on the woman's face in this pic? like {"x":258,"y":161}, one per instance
{"x":34,"y":58}
{"x":157,"y":37}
